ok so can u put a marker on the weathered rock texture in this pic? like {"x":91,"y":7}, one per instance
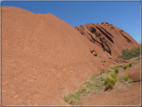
{"x":108,"y":37}
{"x":44,"y":58}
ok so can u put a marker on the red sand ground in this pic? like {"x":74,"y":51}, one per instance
{"x":44,"y":58}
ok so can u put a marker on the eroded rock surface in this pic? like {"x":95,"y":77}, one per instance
{"x":108,"y":37}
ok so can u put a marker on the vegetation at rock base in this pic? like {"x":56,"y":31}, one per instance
{"x":106,"y":80}
{"x":132,"y":53}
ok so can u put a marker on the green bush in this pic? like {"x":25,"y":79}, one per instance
{"x":128,"y":54}
{"x":73,"y":98}
{"x":83,"y":88}
{"x":110,"y":79}
{"x":126,"y":66}
{"x":66,"y":99}
{"x":72,"y":101}
{"x":114,"y":76}
{"x":109,"y":86}
{"x":126,"y":76}
{"x":111,"y":67}
{"x":108,"y":71}
{"x":93,"y":77}
{"x":129,"y":65}
{"x":102,"y":72}
{"x":130,"y":81}
{"x":116,"y":71}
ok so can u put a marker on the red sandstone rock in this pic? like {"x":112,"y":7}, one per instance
{"x":41,"y":53}
{"x":38,"y":53}
{"x":108,"y":37}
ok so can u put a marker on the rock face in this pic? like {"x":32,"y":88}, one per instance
{"x":44,"y":58}
{"x":108,"y":37}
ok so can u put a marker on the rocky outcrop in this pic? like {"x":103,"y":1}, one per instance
{"x":108,"y":37}
{"x":44,"y":58}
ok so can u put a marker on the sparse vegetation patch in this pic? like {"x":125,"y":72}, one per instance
{"x":103,"y":71}
{"x":103,"y":81}
{"x":126,"y":76}
{"x":73,"y":98}
{"x":108,"y":71}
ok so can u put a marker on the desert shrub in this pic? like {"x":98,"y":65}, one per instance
{"x":128,"y":54}
{"x":91,"y":85}
{"x":77,"y":95}
{"x":126,"y":76}
{"x":121,"y":65}
{"x":116,"y":71}
{"x":93,"y":77}
{"x":73,"y":98}
{"x":116,"y":66}
{"x":126,"y":66}
{"x":88,"y":91}
{"x":71,"y":101}
{"x":110,"y":79}
{"x":114,"y":76}
{"x":83,"y":88}
{"x":111,"y":67}
{"x":130,"y":81}
{"x":109,"y":86}
{"x":102,"y":71}
{"x":107,"y":79}
{"x":108,"y":71}
{"x":66,"y":99}
{"x":129,"y":65}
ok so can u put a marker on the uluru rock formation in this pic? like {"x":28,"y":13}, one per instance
{"x":107,"y":36}
{"x":44,"y":58}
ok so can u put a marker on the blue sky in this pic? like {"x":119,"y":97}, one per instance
{"x":125,"y":15}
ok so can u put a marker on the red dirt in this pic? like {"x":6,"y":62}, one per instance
{"x":129,"y":96}
{"x":44,"y":58}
